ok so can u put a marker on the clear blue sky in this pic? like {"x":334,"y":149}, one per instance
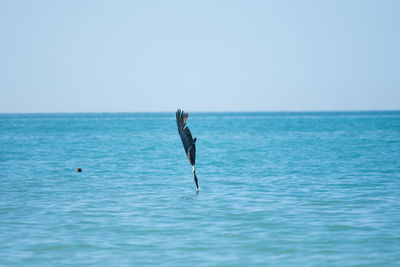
{"x":117,"y":56}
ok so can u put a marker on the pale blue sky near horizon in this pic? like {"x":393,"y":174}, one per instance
{"x":140,"y":56}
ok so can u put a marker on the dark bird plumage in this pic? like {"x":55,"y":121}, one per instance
{"x":189,"y":143}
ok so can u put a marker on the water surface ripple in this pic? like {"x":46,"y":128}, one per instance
{"x":311,"y":189}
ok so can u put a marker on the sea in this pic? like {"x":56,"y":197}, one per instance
{"x":277,"y":189}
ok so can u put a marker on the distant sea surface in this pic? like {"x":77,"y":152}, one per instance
{"x":278,"y":189}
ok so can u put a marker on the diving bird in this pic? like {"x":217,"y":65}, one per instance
{"x":189,"y":143}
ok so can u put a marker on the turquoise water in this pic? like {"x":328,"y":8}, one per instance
{"x":312,"y":189}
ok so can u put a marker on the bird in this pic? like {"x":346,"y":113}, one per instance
{"x":189,"y":143}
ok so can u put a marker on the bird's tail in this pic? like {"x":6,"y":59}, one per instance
{"x":181,"y":118}
{"x":196,"y":180}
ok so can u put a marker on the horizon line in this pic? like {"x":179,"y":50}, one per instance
{"x":202,"y":111}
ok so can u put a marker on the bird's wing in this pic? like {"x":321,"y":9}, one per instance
{"x":184,"y":132}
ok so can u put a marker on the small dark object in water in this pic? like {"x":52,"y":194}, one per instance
{"x":78,"y":170}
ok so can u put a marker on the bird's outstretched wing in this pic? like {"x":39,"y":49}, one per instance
{"x":186,"y":137}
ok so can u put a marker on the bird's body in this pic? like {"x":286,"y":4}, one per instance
{"x":189,"y":143}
